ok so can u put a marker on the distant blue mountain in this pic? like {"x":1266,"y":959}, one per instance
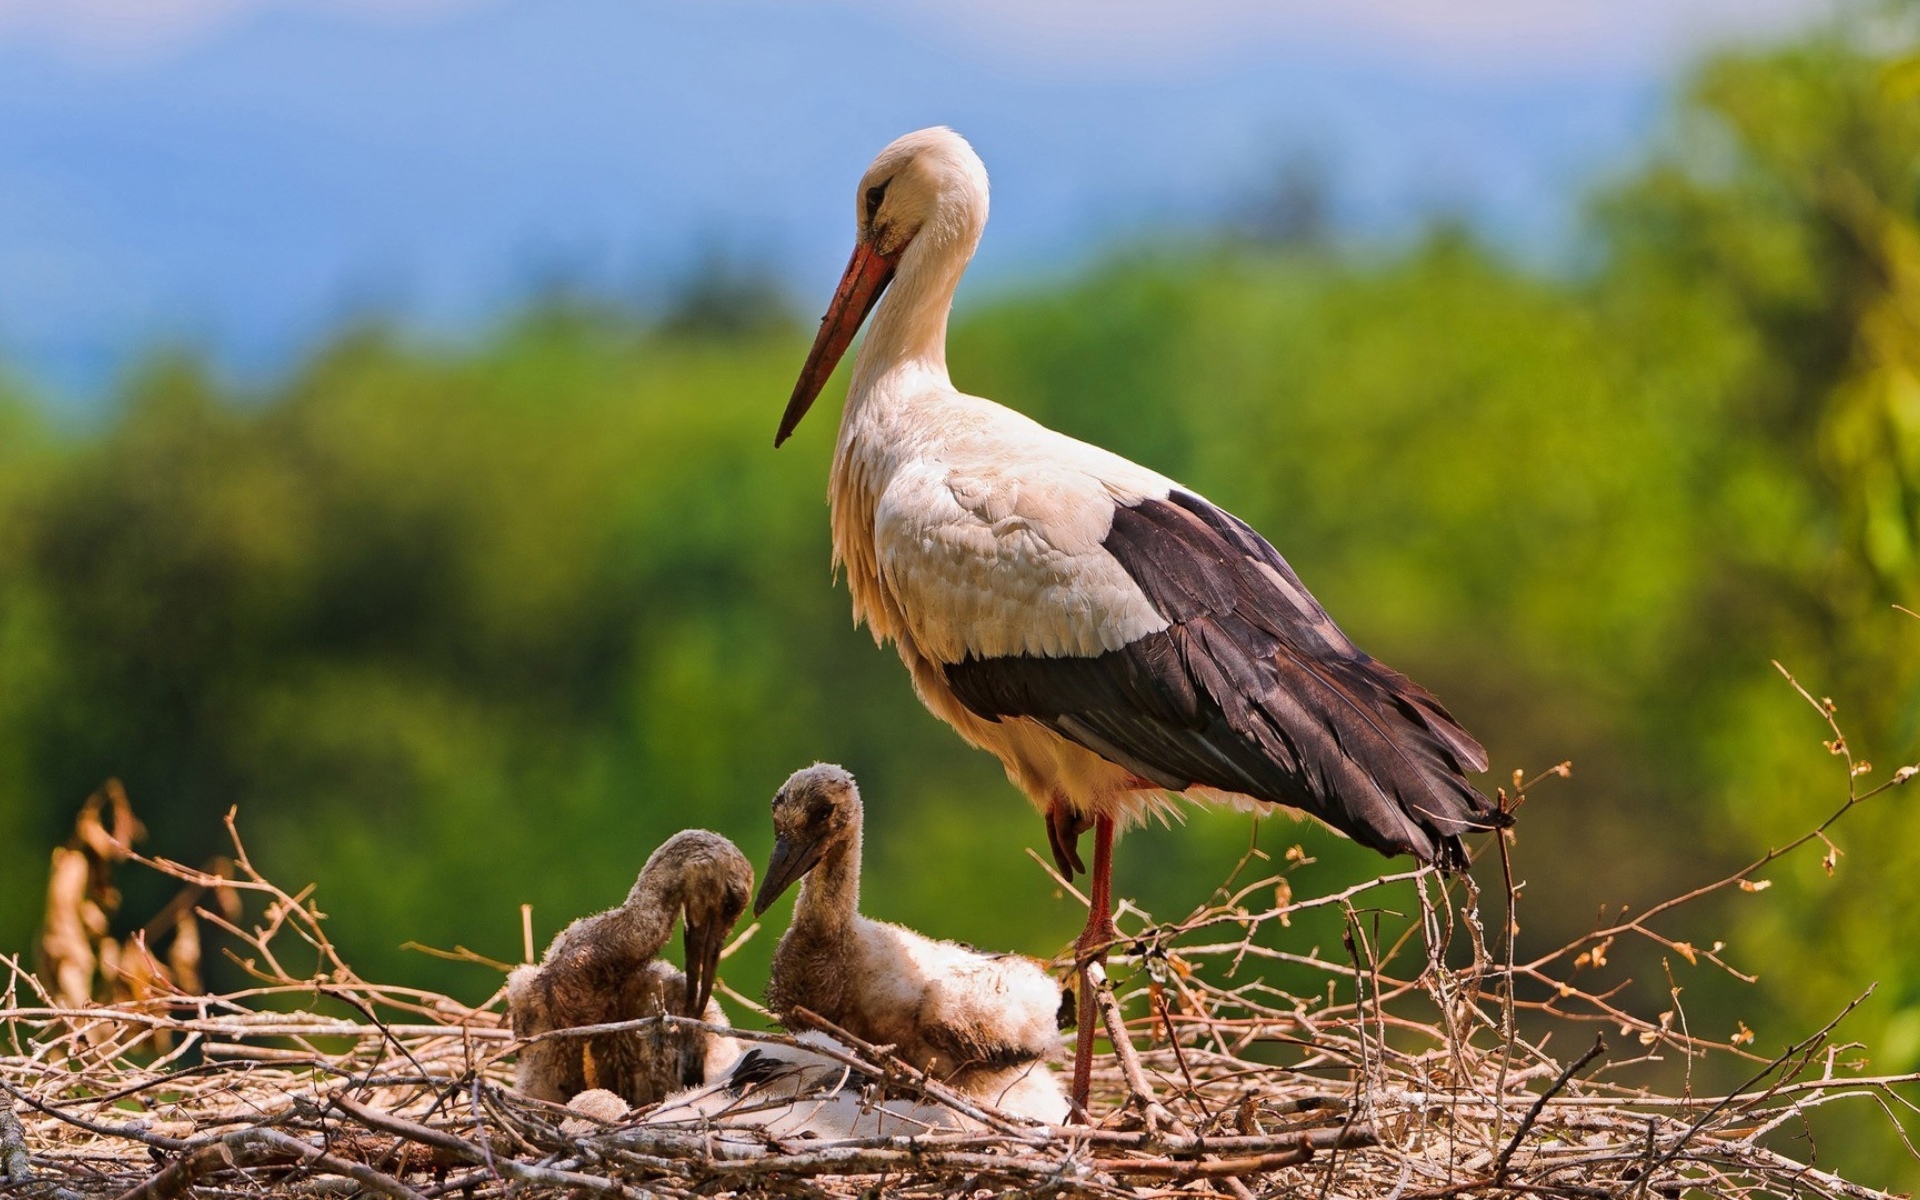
{"x":292,"y":170}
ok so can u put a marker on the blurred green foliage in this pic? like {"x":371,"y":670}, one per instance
{"x":458,"y":629}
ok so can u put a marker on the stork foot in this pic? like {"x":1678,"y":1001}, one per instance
{"x":1064,"y":827}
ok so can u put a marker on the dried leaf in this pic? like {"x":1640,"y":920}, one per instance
{"x":183,"y":956}
{"x":227,"y":898}
{"x":109,"y":954}
{"x":138,"y":976}
{"x":106,"y":826}
{"x":1755,"y":885}
{"x":66,"y":944}
{"x":127,"y":828}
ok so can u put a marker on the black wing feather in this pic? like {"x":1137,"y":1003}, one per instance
{"x":1250,"y":689}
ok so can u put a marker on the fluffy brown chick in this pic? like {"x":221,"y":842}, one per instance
{"x":604,"y":969}
{"x":969,"y":1017}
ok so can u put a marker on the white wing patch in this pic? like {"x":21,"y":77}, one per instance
{"x":1005,"y":558}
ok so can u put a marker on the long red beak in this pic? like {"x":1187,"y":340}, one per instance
{"x":868,"y":274}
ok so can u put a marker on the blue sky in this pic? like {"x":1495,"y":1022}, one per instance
{"x":243,"y":175}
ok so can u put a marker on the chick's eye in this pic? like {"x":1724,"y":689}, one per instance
{"x":875,"y":195}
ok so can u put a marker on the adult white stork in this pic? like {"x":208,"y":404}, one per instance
{"x":1110,"y":635}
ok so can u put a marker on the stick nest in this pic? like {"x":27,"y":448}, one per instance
{"x":1425,"y":1060}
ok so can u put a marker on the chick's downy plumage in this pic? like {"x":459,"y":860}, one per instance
{"x":605,"y":968}
{"x":953,"y":1011}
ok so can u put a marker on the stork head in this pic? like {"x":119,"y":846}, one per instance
{"x":707,"y":878}
{"x":923,"y":201}
{"x":814,"y":810}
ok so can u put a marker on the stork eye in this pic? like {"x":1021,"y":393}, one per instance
{"x":875,"y":195}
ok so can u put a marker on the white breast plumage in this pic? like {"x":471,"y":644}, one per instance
{"x":983,"y":553}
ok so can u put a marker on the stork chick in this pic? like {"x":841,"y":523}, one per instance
{"x":972,"y":1019}
{"x":604,"y":969}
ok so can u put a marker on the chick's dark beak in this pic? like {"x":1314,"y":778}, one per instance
{"x":791,"y":860}
{"x":702,"y":941}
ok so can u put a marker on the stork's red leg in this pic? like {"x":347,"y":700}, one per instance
{"x":1092,"y":947}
